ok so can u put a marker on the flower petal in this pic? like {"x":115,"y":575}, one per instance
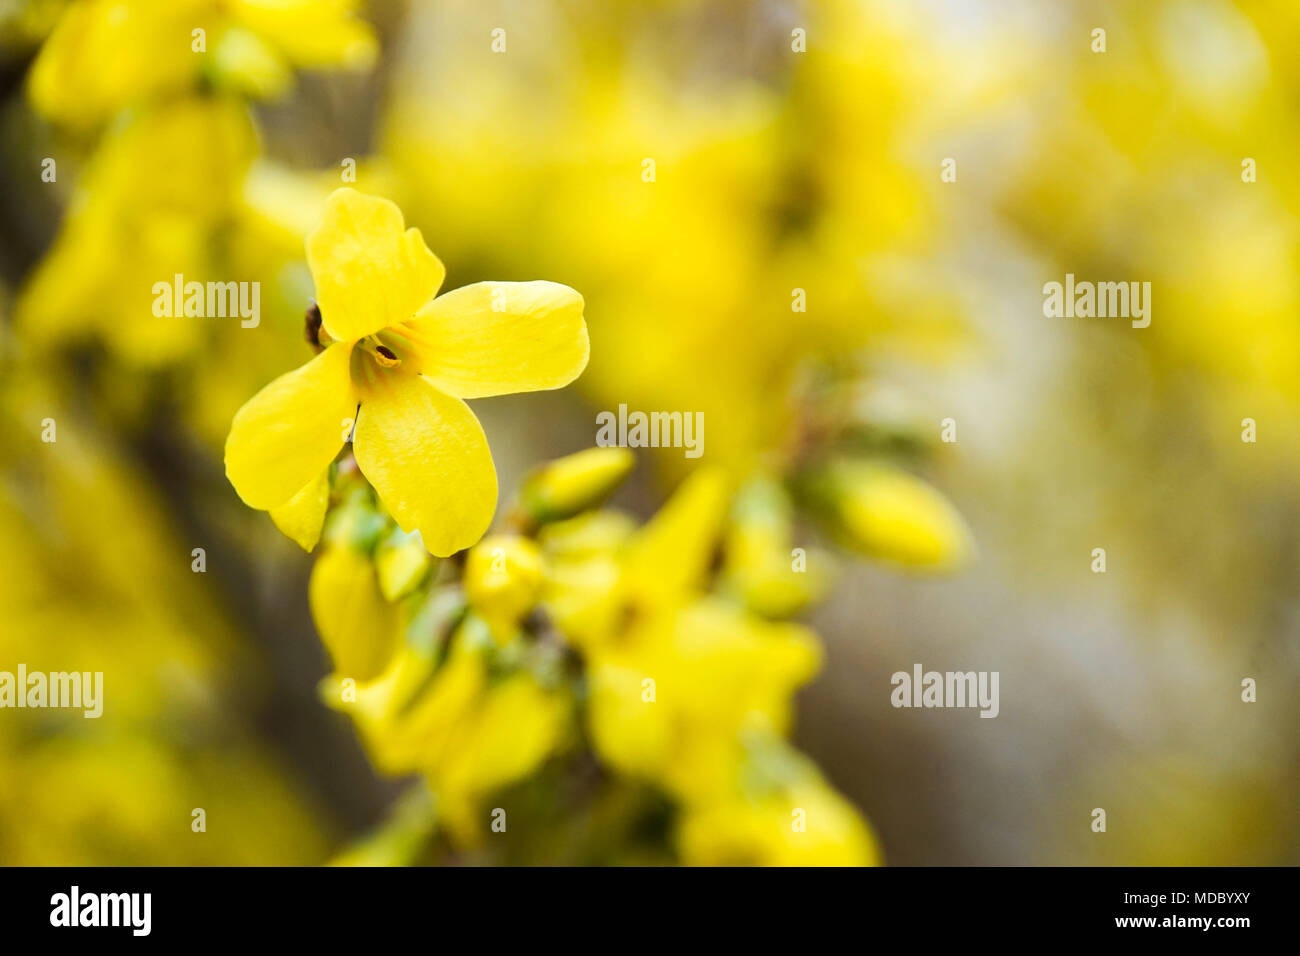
{"x":312,"y":33}
{"x":495,"y":338}
{"x":427,"y":457}
{"x":102,"y":56}
{"x":302,"y":516}
{"x":370,"y":273}
{"x":289,"y":432}
{"x":670,"y":556}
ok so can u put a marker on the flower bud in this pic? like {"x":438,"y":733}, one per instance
{"x":570,"y":485}
{"x":503,"y":579}
{"x":356,"y":523}
{"x":885,"y":512}
{"x":359,"y":628}
{"x":763,"y":568}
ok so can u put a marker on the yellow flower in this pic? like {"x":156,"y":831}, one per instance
{"x":104,"y":55}
{"x":583,"y":567}
{"x":804,"y":824}
{"x":503,"y":579}
{"x":673,"y":699}
{"x":601,"y":575}
{"x":468,"y":730}
{"x":155,"y":195}
{"x":676,"y":675}
{"x":94,"y":584}
{"x":398,"y":366}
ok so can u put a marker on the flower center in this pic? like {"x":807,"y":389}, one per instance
{"x":379,"y":353}
{"x":387,"y":348}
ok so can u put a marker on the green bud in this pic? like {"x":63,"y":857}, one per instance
{"x":356,"y":523}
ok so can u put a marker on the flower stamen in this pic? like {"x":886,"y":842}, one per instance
{"x":384,"y":355}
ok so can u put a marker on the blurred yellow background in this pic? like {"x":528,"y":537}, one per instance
{"x":822,"y":225}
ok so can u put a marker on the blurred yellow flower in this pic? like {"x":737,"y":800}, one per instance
{"x":503,"y":578}
{"x":104,"y":55}
{"x":672,"y":699}
{"x":803,"y":824}
{"x":99,"y":579}
{"x":160,"y":185}
{"x":601,"y":575}
{"x":467,"y":730}
{"x":398,"y":367}
{"x":676,"y":675}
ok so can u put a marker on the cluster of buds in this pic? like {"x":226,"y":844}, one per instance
{"x":663,"y":653}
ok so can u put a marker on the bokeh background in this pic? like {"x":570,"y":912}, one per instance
{"x":778,"y":166}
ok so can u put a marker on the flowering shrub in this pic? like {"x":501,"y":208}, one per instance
{"x":625,"y":683}
{"x":569,"y":635}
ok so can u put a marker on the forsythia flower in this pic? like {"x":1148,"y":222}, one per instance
{"x":466,"y":729}
{"x":107,"y":54}
{"x":804,"y":823}
{"x":677,"y":675}
{"x":693,"y":692}
{"x":398,"y":366}
{"x":160,"y":187}
{"x":673,"y":699}
{"x":503,"y":578}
